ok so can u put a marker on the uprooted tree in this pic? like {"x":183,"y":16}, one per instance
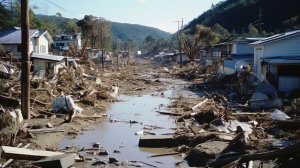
{"x":192,"y":44}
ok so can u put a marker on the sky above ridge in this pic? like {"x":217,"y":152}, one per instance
{"x":161,"y":14}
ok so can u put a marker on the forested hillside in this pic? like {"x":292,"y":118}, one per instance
{"x":126,"y":31}
{"x":235,"y":15}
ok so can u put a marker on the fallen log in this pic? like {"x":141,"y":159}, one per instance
{"x":199,"y":104}
{"x":24,"y":154}
{"x":285,"y":152}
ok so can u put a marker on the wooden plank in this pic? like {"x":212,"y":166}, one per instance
{"x":49,"y":113}
{"x":10,"y":160}
{"x":168,"y":113}
{"x":199,"y":104}
{"x":25,"y":154}
{"x":39,"y":102}
{"x":165,"y":154}
{"x":47,"y":130}
{"x":57,"y":161}
{"x":157,"y":141}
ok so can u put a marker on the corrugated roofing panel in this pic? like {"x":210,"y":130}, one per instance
{"x":48,"y":57}
{"x":13,"y":36}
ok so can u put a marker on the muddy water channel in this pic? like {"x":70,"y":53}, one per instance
{"x":121,"y":136}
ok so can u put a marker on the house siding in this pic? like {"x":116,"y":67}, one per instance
{"x":285,"y":47}
{"x":244,"y":49}
{"x":43,"y":42}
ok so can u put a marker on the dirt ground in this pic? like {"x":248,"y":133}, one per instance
{"x":138,"y":77}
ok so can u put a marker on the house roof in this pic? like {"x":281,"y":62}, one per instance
{"x":47,"y":57}
{"x":13,"y":36}
{"x":283,"y":60}
{"x":237,"y":57}
{"x":277,"y":37}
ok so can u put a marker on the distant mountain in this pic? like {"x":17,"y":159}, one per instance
{"x":125,"y":31}
{"x":276,"y":15}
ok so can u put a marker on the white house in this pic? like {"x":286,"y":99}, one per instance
{"x":48,"y":62}
{"x":277,"y":59}
{"x":61,"y":42}
{"x":39,"y":41}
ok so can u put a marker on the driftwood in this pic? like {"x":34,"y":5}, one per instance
{"x":285,"y":152}
{"x":199,"y":104}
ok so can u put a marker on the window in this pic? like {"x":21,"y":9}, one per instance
{"x":60,"y":44}
{"x":42,"y":49}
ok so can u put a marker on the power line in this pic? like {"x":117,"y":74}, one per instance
{"x":65,"y":10}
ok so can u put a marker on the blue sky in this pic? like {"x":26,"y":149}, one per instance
{"x":160,"y":14}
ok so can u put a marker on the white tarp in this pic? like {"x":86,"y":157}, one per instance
{"x":278,"y":115}
{"x":231,"y":126}
{"x":66,"y":103}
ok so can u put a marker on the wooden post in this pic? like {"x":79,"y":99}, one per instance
{"x":25,"y":82}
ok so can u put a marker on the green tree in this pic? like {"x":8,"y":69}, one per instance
{"x":252,"y":31}
{"x":70,"y":26}
{"x":224,"y":33}
{"x":259,"y":22}
{"x":5,"y":18}
{"x":192,"y":44}
{"x":149,"y":43}
{"x":89,"y":26}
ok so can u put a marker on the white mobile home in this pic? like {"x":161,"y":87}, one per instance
{"x":277,"y":59}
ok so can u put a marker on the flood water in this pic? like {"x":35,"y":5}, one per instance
{"x":121,"y":135}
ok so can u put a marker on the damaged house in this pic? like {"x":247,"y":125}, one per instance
{"x":277,"y":59}
{"x":235,"y":55}
{"x":62,"y":41}
{"x":47,"y":63}
{"x":39,"y":41}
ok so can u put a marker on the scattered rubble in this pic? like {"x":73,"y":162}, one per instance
{"x":234,"y":120}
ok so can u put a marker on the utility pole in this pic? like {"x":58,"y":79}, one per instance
{"x":117,"y":51}
{"x":25,"y":82}
{"x":179,"y":40}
